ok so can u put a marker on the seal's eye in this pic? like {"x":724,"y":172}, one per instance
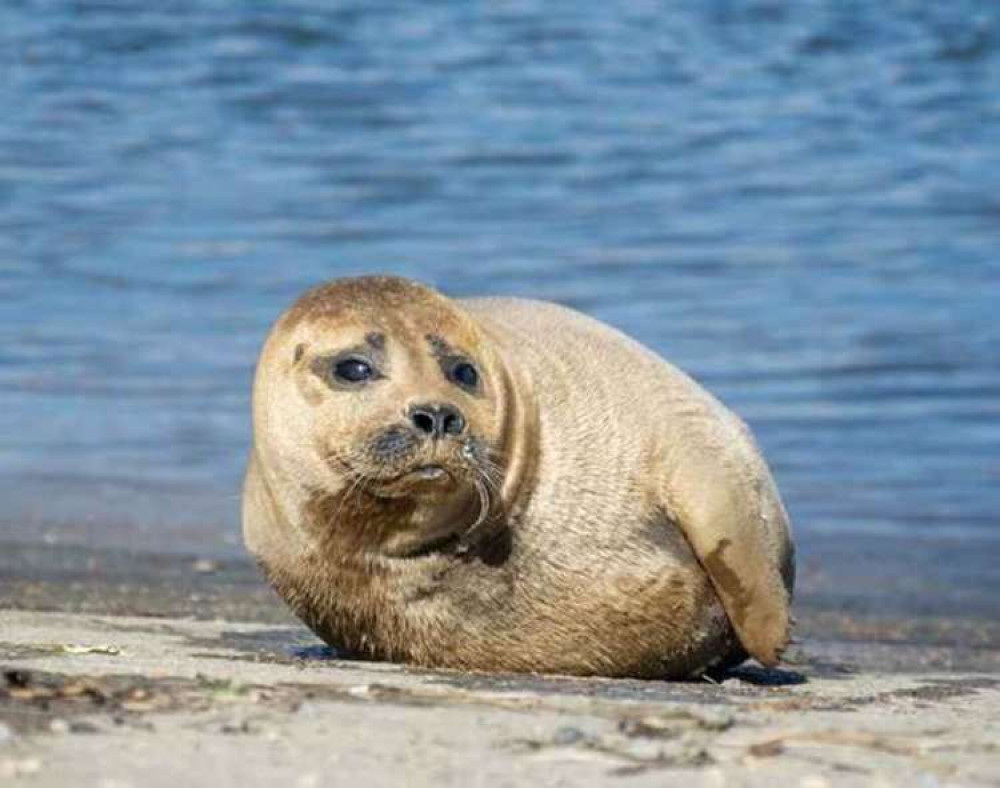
{"x":465,"y":374}
{"x":353,"y":370}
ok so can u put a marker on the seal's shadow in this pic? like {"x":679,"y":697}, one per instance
{"x":288,"y":644}
{"x":760,"y":676}
{"x":320,"y":652}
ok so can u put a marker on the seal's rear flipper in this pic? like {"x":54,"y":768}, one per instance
{"x":721,"y":494}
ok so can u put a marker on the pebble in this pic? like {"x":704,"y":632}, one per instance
{"x":567,"y":735}
{"x":59,"y":726}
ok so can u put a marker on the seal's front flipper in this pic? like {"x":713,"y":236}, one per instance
{"x":721,"y":494}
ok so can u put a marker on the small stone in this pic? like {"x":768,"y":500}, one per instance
{"x":59,"y":726}
{"x":767,"y":749}
{"x":360,"y":691}
{"x":649,"y":727}
{"x":243,"y":726}
{"x":567,"y":735}
{"x":205,"y":566}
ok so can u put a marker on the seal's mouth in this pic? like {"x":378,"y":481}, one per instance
{"x":427,"y":473}
{"x":429,"y":476}
{"x":423,"y":479}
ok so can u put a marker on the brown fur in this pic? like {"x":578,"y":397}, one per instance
{"x":632,"y":528}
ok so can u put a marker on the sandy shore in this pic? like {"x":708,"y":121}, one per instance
{"x":121,"y":669}
{"x":127,"y":701}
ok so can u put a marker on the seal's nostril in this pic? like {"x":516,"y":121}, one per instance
{"x":452,"y":421}
{"x":437,"y":420}
{"x":424,"y":421}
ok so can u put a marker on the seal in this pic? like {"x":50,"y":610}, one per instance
{"x":507,"y":485}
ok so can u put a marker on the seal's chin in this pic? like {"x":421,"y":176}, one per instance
{"x":443,"y":544}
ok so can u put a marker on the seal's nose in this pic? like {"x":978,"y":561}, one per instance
{"x":437,"y":420}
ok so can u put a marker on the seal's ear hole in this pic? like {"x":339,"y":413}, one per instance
{"x":300,"y":351}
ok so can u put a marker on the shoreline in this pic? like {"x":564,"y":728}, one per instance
{"x":935,"y":604}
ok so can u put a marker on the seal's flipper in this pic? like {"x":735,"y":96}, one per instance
{"x":721,"y":494}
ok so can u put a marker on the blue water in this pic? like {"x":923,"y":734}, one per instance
{"x":798,"y":202}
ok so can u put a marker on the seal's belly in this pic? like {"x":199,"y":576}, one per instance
{"x":645,"y":608}
{"x":648,"y":609}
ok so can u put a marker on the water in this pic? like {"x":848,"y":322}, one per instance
{"x":795,"y":201}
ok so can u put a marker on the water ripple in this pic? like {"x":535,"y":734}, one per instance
{"x":795,"y":201}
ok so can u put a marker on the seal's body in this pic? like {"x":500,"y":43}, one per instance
{"x":502,"y":484}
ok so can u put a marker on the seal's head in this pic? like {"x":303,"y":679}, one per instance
{"x":380,"y":392}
